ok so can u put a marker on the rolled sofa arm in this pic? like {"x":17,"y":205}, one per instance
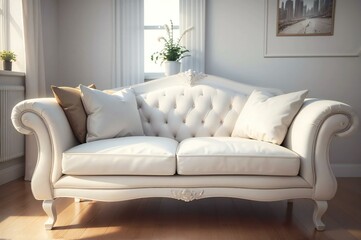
{"x":310,"y":136}
{"x":44,"y":118}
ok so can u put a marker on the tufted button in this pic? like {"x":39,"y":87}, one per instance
{"x":194,"y":106}
{"x":157,"y":135}
{"x":202,"y":121}
{"x":184,"y":121}
{"x":148,"y":120}
{"x":230,"y":107}
{"x":175,"y":106}
{"x":193,"y":135}
{"x":212,"y":134}
{"x":221,"y":121}
{"x":166,"y":121}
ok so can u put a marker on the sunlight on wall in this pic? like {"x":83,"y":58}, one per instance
{"x":156,"y":14}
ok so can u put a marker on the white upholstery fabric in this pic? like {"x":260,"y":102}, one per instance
{"x":266,"y":117}
{"x":135,"y":193}
{"x":313,"y":128}
{"x":46,"y":120}
{"x":183,"y":80}
{"x":310,"y":136}
{"x":178,"y":181}
{"x":182,"y":112}
{"x":179,"y":111}
{"x":236,"y":156}
{"x":110,"y":116}
{"x":137,"y":155}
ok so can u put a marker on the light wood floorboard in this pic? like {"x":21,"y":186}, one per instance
{"x":22,"y":217}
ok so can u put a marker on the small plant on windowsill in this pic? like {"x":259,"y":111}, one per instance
{"x":172,"y":52}
{"x":8,"y":57}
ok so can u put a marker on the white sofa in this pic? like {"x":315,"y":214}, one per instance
{"x":187,"y":149}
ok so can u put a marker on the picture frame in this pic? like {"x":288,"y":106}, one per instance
{"x":305,"y":17}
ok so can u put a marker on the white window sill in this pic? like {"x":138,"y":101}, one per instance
{"x":11,"y":73}
{"x":152,"y":76}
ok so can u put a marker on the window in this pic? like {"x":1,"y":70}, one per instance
{"x":157,"y":13}
{"x":11,"y":31}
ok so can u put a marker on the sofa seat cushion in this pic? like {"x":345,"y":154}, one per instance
{"x":135,"y":155}
{"x":235,"y":156}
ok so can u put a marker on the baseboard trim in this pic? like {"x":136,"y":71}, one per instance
{"x":11,"y":173}
{"x":346,"y":170}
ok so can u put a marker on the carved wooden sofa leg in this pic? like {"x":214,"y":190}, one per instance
{"x":49,"y":208}
{"x":319,"y":210}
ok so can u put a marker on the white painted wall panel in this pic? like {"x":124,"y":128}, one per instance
{"x":85,"y":42}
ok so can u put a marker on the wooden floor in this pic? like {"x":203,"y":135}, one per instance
{"x":21,"y":217}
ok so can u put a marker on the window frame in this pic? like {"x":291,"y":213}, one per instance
{"x":12,"y":32}
{"x":154,"y":75}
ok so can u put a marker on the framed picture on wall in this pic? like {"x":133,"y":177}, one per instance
{"x":305,"y":17}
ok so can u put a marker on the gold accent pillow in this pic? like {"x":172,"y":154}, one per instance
{"x":70,"y":101}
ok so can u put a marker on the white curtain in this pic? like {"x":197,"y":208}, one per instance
{"x":128,"y":63}
{"x":34,"y":50}
{"x":193,"y":14}
{"x":34,"y":73}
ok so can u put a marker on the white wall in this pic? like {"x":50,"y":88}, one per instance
{"x":85,"y":42}
{"x":234,"y":49}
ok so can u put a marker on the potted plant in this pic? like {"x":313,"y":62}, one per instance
{"x":8,"y":57}
{"x":172,"y":52}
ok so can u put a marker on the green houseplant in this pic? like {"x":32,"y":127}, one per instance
{"x":8,"y":57}
{"x":172,"y":52}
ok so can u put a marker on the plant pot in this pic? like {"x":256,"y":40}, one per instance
{"x":171,"y":67}
{"x":7,"y":65}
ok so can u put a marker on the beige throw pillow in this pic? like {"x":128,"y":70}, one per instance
{"x":266,"y":118}
{"x":111,"y":116}
{"x":70,"y":101}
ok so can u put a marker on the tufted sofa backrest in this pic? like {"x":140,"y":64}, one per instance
{"x":183,"y":111}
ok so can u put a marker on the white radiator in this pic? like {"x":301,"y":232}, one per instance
{"x":11,"y":142}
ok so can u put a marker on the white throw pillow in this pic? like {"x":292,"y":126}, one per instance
{"x":266,"y":118}
{"x":111,"y":116}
